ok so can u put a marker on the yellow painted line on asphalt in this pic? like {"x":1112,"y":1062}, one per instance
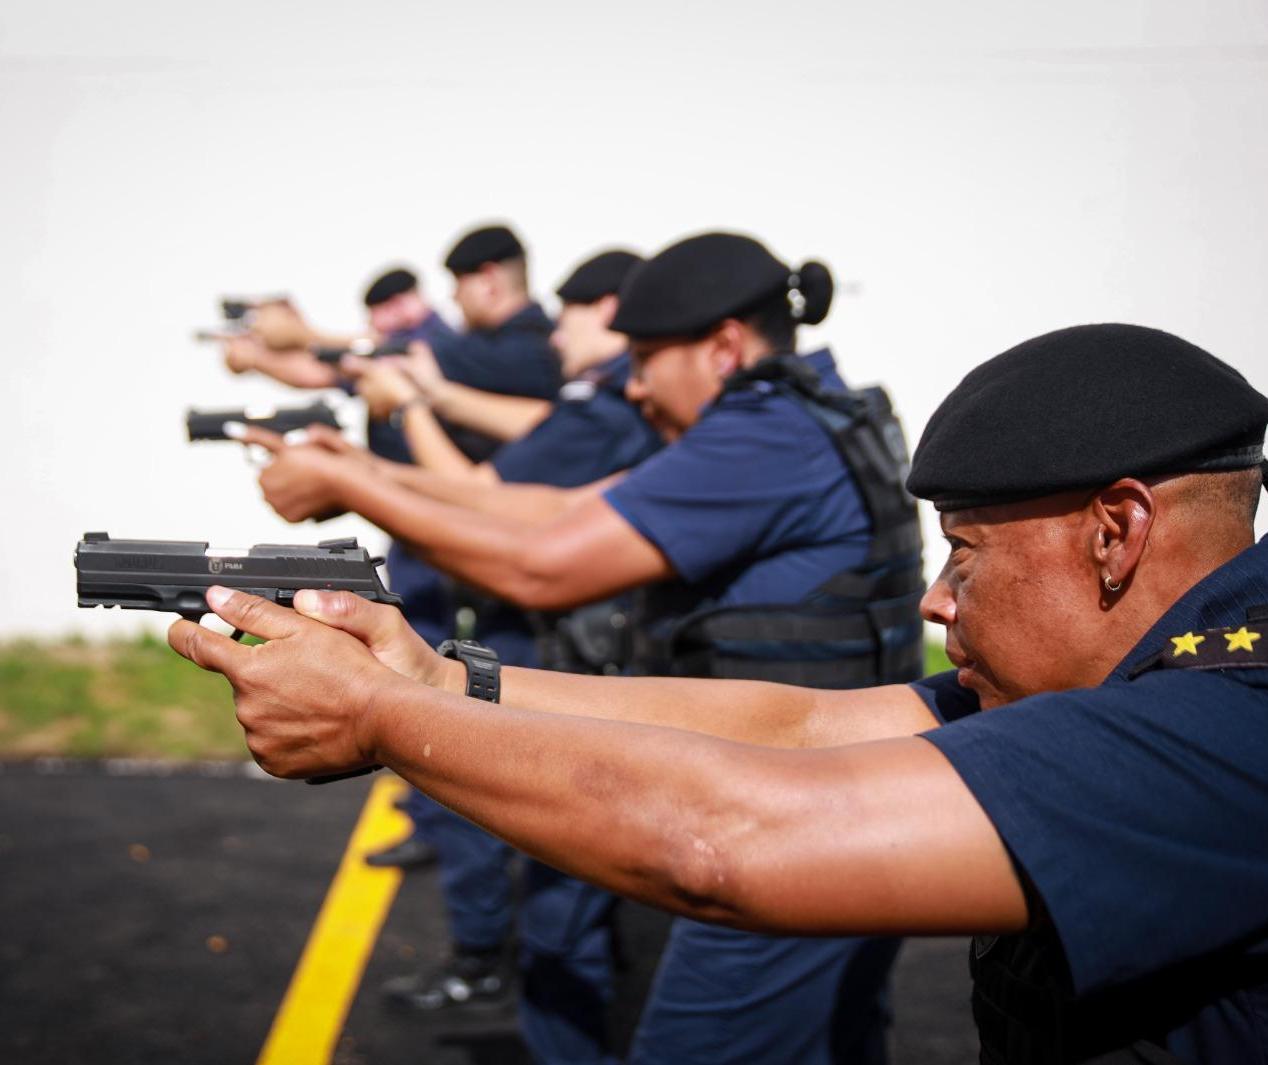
{"x":311,"y":1017}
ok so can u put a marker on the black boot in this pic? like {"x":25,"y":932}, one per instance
{"x":411,"y":853}
{"x":467,"y":979}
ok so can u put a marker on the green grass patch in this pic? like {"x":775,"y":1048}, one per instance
{"x":936,"y":660}
{"x":132,"y":698}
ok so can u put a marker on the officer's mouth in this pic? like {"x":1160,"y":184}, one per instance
{"x":966,"y":668}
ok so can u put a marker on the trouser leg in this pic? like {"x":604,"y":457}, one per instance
{"x":475,"y":881}
{"x":423,"y":812}
{"x":565,"y":936}
{"x":723,"y":997}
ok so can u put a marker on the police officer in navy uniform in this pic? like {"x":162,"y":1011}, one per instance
{"x":1087,"y":793}
{"x":591,"y":432}
{"x":1141,"y":945}
{"x":813,"y":577}
{"x":779,"y":575}
{"x":505,"y":348}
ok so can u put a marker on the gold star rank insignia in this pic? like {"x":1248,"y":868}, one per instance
{"x":1241,"y":640}
{"x":1186,"y":644}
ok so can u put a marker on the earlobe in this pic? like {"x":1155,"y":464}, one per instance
{"x":1124,"y":512}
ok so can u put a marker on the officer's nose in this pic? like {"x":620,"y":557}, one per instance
{"x":937,"y":605}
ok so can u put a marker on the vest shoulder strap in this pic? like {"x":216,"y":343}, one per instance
{"x":869,"y":439}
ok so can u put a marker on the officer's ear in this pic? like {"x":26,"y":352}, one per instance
{"x":606,"y":307}
{"x":1123,"y":515}
{"x":726,"y":347}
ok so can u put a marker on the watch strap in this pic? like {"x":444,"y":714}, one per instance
{"x":484,"y":670}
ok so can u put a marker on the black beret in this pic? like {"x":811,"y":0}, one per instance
{"x":1082,"y":407}
{"x":597,"y":277}
{"x":491,"y":244}
{"x":696,"y":283}
{"x":393,"y":283}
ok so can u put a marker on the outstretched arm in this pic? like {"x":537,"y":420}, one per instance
{"x":297,"y":487}
{"x":873,"y":837}
{"x":586,"y":553}
{"x":500,"y":416}
{"x":294,"y":366}
{"x":757,"y":712}
{"x":531,"y":503}
{"x":388,"y":391}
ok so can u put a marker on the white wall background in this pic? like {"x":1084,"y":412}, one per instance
{"x":984,"y":171}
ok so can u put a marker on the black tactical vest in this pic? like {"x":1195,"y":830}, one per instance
{"x":861,"y":627}
{"x":1025,"y":1011}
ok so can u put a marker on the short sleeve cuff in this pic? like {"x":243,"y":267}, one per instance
{"x":617,"y":499}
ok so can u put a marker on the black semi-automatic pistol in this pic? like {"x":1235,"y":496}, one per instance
{"x":236,"y":314}
{"x":210,"y":424}
{"x":174,"y":575}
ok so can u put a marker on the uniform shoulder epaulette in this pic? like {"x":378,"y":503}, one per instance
{"x":1240,"y":647}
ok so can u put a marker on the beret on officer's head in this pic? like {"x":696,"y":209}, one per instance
{"x":489,"y":244}
{"x":1080,"y":408}
{"x":597,"y":277}
{"x":693,"y":285}
{"x":393,"y":283}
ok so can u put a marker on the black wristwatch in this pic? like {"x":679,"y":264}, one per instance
{"x":484,"y":671}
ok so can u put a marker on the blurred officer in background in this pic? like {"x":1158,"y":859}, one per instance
{"x":779,"y":543}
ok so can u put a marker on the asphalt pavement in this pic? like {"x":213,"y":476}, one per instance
{"x":153,"y":917}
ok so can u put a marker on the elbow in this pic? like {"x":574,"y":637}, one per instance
{"x":740,"y":858}
{"x":541,"y":580}
{"x":530,"y":591}
{"x":700,"y":882}
{"x":711,"y":869}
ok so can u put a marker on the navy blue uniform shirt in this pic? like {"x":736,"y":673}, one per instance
{"x":753,"y":504}
{"x":592,"y":432}
{"x":515,"y":359}
{"x":1138,"y":810}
